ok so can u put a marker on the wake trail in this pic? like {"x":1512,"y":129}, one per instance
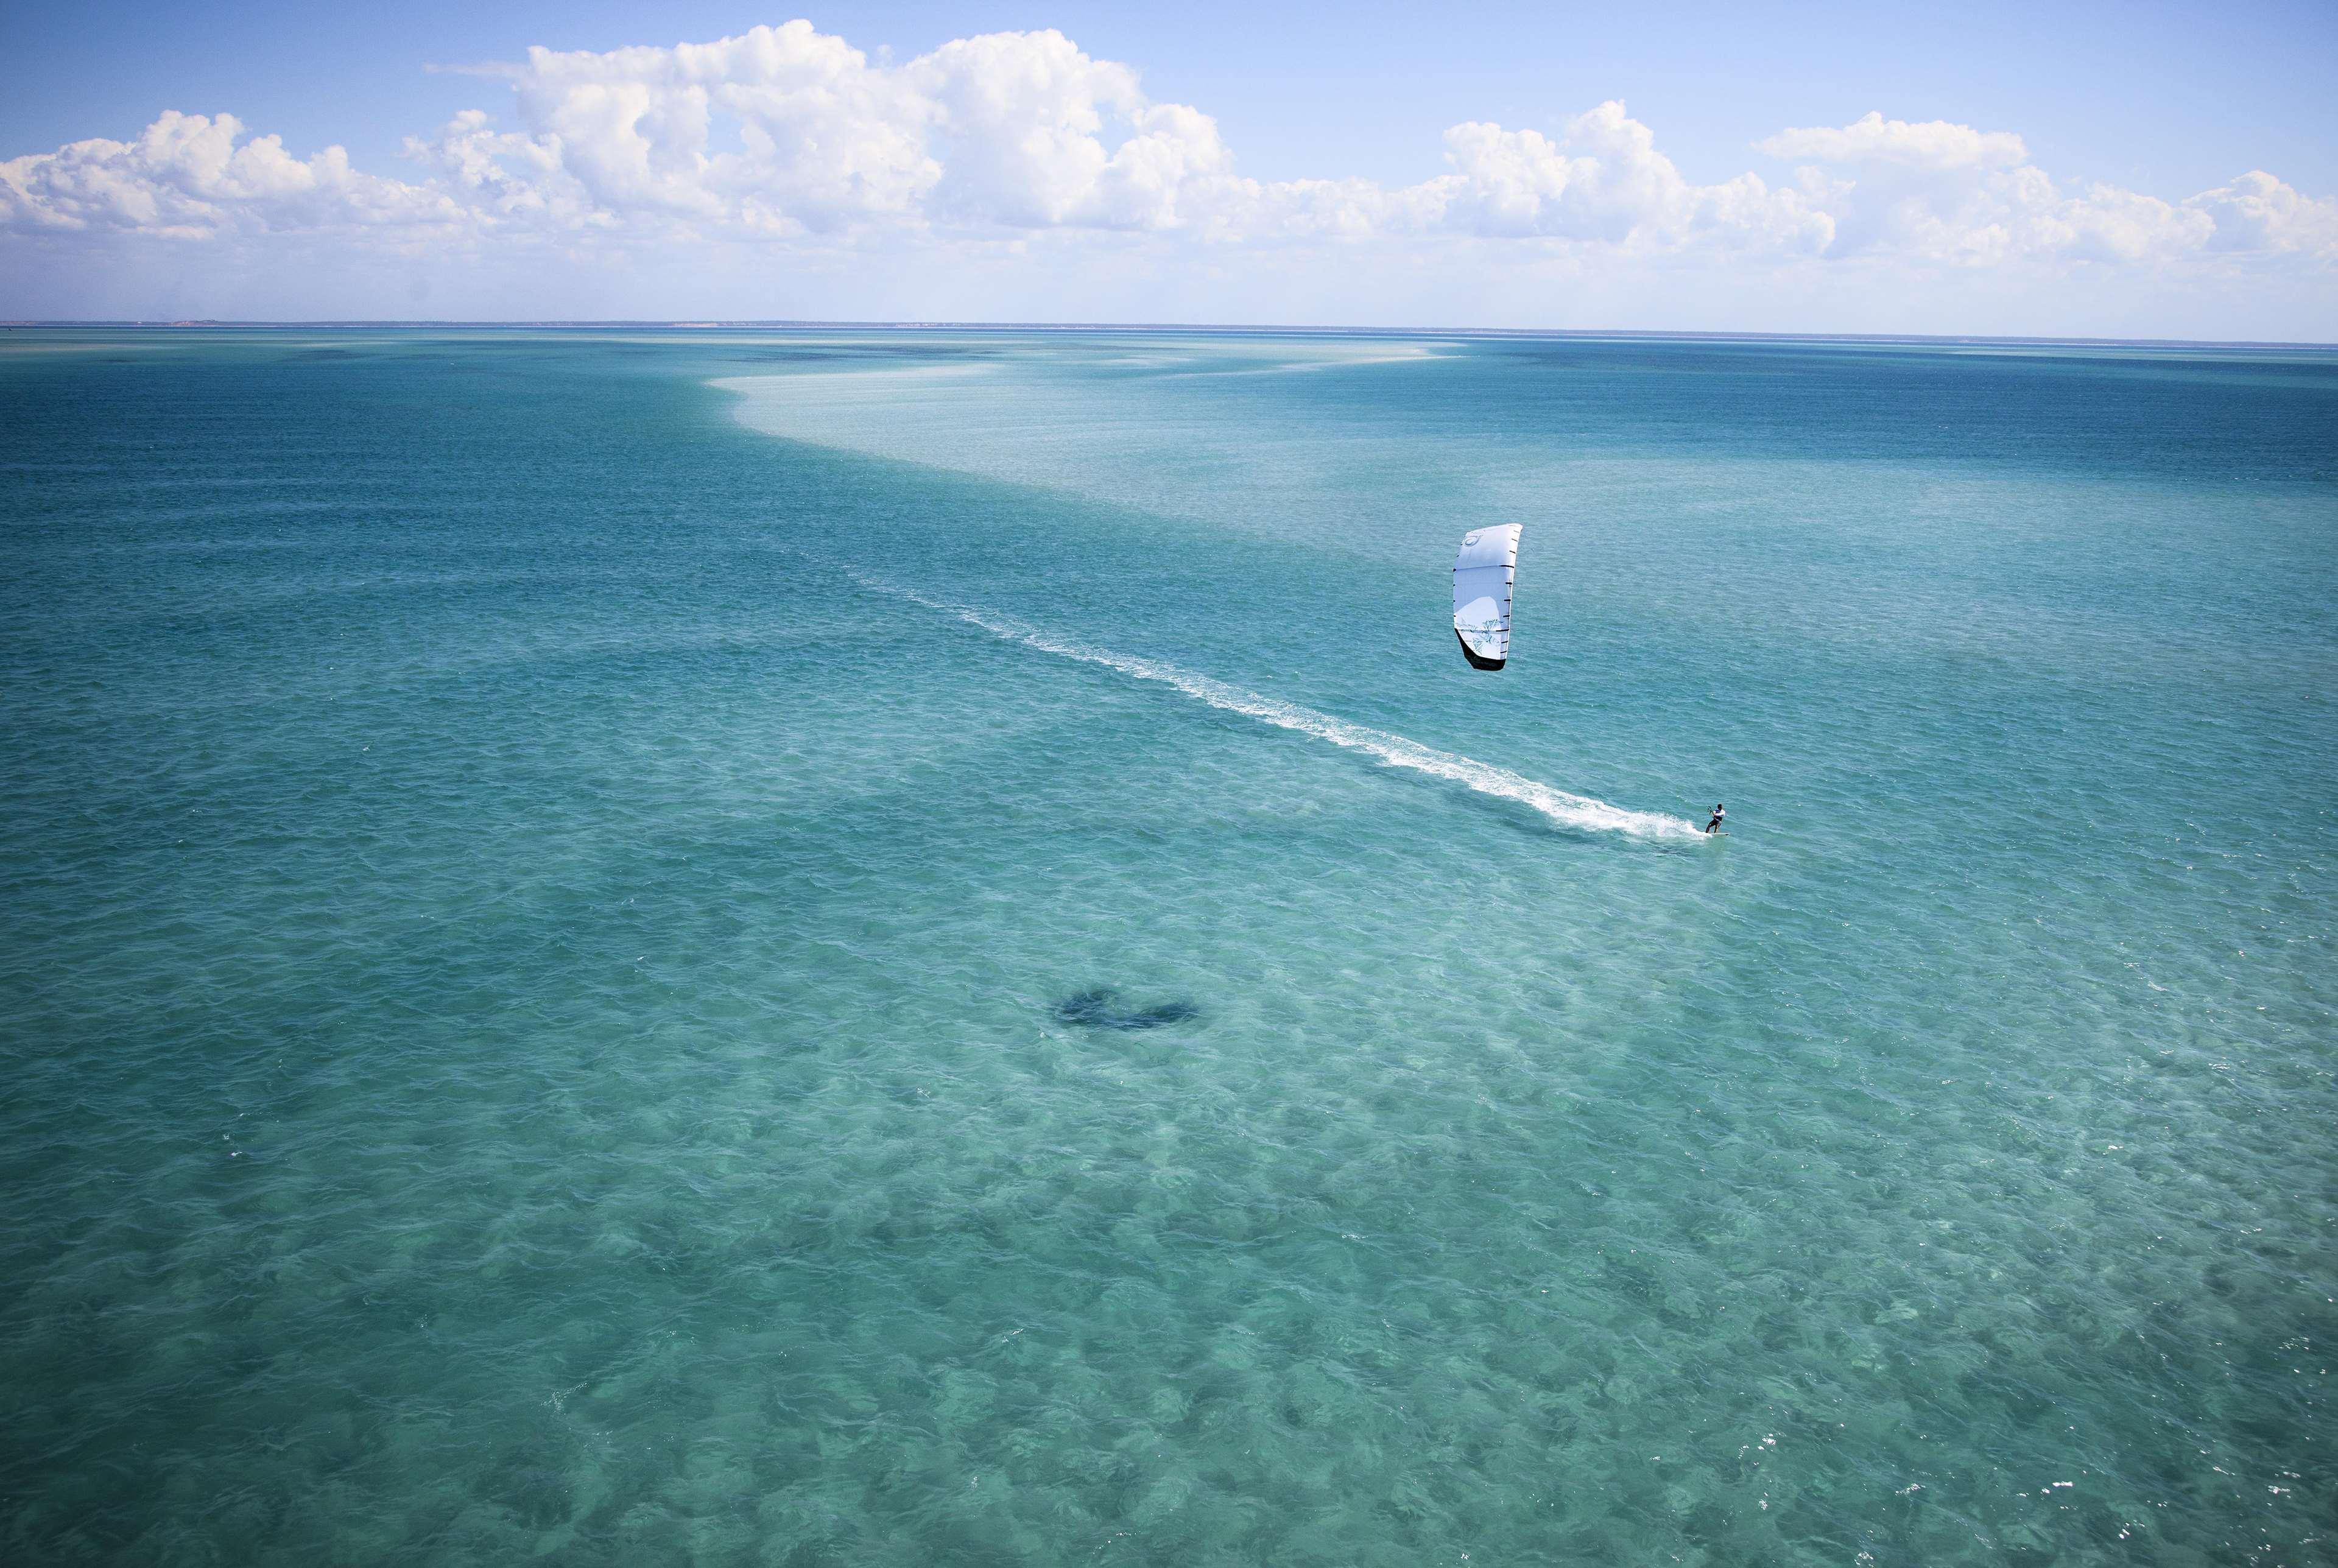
{"x":1567,"y":810}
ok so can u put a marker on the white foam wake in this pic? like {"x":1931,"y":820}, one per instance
{"x":1569,"y":810}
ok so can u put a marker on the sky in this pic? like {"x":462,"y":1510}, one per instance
{"x":2131,"y":171}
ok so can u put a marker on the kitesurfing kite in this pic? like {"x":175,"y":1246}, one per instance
{"x":1482,"y":575}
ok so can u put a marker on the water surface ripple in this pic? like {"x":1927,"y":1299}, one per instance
{"x":545,"y":1017}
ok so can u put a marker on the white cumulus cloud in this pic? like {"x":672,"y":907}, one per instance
{"x":788,"y":138}
{"x":786,"y":130}
{"x":1940,"y":192}
{"x":1032,"y":133}
{"x":1872,"y":139}
{"x":2257,"y":213}
{"x":192,"y":176}
{"x":1603,"y":180}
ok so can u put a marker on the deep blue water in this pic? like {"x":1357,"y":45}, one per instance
{"x":879,"y":948}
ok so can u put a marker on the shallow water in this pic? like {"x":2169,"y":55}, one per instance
{"x":900,"y":948}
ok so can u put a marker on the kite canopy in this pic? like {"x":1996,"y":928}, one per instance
{"x":1482,"y":575}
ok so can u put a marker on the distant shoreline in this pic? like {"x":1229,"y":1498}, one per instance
{"x":1186,"y":328}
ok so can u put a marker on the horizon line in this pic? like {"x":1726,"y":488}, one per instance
{"x":805,"y":324}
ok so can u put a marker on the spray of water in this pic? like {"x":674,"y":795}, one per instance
{"x":1561,"y":806}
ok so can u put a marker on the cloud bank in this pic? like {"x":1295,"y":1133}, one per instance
{"x":791,"y":141}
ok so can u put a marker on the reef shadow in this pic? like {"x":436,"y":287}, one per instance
{"x":1100,"y":1007}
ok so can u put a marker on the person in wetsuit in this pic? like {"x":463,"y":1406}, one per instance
{"x":1718,"y":813}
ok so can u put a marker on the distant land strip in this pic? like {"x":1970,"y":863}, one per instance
{"x":1189,"y":327}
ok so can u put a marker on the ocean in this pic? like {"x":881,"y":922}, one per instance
{"x":901,"y":947}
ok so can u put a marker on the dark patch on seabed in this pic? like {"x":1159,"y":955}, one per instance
{"x":1100,"y":1007}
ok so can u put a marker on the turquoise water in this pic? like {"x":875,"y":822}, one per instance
{"x":898,"y":948}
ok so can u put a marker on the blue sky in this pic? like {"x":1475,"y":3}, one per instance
{"x":1328,"y":184}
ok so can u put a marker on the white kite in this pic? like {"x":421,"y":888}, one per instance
{"x":1482,"y":575}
